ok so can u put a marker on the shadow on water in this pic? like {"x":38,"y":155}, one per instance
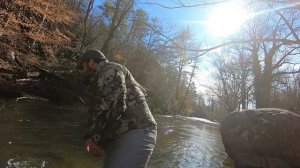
{"x":37,"y":134}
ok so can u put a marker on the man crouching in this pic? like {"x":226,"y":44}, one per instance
{"x":121,"y":126}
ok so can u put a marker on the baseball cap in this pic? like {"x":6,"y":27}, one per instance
{"x":97,"y":55}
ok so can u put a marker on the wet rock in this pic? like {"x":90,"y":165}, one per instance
{"x":266,"y":137}
{"x":253,"y":161}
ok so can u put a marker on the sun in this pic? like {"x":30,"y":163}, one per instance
{"x":226,"y":19}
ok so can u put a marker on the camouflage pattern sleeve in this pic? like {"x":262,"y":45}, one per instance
{"x":111,"y":88}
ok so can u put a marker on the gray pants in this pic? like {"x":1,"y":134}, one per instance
{"x":132,"y":150}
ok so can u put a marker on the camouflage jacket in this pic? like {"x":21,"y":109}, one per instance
{"x":116,"y":104}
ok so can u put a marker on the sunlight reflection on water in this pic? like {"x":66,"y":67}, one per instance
{"x":189,"y":142}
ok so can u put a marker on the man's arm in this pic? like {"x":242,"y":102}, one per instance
{"x":104,"y":120}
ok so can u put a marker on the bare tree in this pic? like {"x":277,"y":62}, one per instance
{"x":120,"y":10}
{"x":181,"y":55}
{"x":189,"y":86}
{"x":269,"y":57}
{"x":231,"y":79}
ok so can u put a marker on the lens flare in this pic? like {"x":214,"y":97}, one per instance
{"x":226,"y":19}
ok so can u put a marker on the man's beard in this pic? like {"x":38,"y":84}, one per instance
{"x":86,"y":79}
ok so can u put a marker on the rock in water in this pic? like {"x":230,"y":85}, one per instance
{"x":266,"y":137}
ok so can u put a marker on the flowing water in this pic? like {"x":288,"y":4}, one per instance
{"x":42,"y":135}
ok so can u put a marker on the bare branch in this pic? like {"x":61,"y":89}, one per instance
{"x":285,"y":73}
{"x":182,"y":5}
{"x":281,"y":61}
{"x":285,"y":21}
{"x":283,"y":41}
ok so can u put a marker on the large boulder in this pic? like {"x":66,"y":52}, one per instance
{"x":266,"y":137}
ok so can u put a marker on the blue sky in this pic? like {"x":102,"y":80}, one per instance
{"x":180,"y":17}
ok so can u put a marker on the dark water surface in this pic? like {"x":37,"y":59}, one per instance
{"x":41,"y":135}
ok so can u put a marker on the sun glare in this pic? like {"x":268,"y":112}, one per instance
{"x":226,"y":19}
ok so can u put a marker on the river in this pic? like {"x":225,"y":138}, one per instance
{"x":43,"y":135}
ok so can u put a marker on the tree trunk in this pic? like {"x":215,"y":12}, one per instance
{"x":262,"y":80}
{"x":188,"y":88}
{"x":84,"y":32}
{"x":262,"y":92}
{"x":179,"y":79}
{"x":243,"y":84}
{"x":263,"y":86}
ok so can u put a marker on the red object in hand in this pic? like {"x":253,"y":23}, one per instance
{"x":93,"y":148}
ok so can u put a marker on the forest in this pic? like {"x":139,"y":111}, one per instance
{"x":258,"y":67}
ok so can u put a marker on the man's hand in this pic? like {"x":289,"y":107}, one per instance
{"x":93,"y":149}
